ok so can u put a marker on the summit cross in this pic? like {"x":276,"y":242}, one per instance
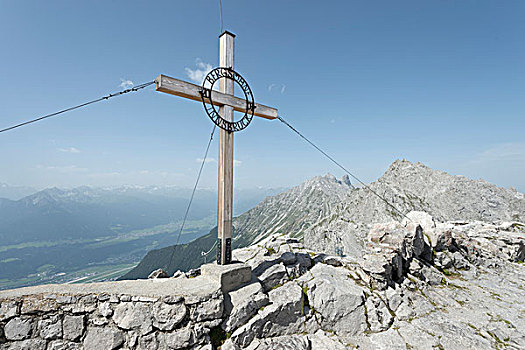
{"x":227,"y":103}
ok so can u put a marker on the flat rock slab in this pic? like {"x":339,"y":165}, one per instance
{"x":200,"y":287}
{"x":229,"y":276}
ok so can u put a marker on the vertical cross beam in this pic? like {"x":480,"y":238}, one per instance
{"x":225,"y":198}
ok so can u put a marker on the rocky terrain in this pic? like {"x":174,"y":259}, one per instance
{"x":411,"y":186}
{"x":420,"y":284}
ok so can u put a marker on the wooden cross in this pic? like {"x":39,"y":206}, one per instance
{"x":228,"y":103}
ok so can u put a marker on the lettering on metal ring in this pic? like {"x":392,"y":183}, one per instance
{"x":206,"y":95}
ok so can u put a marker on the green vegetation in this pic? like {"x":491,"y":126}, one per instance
{"x":277,"y":286}
{"x":271,"y":251}
{"x":498,"y":340}
{"x":218,"y":336}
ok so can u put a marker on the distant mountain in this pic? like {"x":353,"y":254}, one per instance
{"x":332,"y":216}
{"x":413,"y":187}
{"x":292,"y":211}
{"x":15,"y":192}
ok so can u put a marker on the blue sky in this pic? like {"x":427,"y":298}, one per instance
{"x":440,"y":82}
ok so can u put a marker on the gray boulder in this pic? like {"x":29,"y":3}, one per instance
{"x":283,"y":316}
{"x":273,"y":276}
{"x":104,"y":338}
{"x":18,"y":328}
{"x":133,"y":316}
{"x":50,"y":328}
{"x":242,"y":304}
{"x":336,"y":298}
{"x":73,"y":327}
{"x":159,"y":273}
{"x":166,"y":317}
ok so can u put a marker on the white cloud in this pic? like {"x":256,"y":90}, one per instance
{"x":511,"y":152}
{"x":208,"y":160}
{"x":64,"y":169}
{"x":126,"y":83}
{"x":69,"y":150}
{"x":197,"y":75}
{"x":237,"y":162}
{"x":277,"y":87}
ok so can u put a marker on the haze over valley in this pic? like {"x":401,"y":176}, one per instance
{"x":87,"y":234}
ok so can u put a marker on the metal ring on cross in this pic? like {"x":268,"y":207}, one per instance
{"x":206,"y":94}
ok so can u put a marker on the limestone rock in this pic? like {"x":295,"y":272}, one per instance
{"x":178,"y":274}
{"x":288,"y":258}
{"x":443,"y":260}
{"x":105,"y":310}
{"x":149,"y":342}
{"x":193,"y":273}
{"x":273,"y":276}
{"x":159,"y":273}
{"x":295,"y":342}
{"x":50,"y":328}
{"x":104,"y":338}
{"x":283,"y":316}
{"x":133,"y":316}
{"x":181,"y":338}
{"x":18,"y":328}
{"x":8,"y":309}
{"x":243,"y":303}
{"x":166,"y":317}
{"x":28,"y":344}
{"x":337,"y":299}
{"x":378,"y":314}
{"x":321,"y":340}
{"x":208,"y":310}
{"x":73,"y":327}
{"x":64,"y":345}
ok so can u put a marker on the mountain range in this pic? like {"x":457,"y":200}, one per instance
{"x":334,"y":217}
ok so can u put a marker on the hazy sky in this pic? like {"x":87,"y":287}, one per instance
{"x":440,"y":82}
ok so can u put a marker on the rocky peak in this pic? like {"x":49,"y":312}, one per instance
{"x":412,"y":187}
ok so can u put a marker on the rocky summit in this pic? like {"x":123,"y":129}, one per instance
{"x":421,"y":283}
{"x":409,"y":187}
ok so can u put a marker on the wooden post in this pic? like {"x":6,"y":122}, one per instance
{"x":225,"y":198}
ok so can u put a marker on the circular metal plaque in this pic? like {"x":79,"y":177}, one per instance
{"x":206,"y":95}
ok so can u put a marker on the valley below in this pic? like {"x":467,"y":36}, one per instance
{"x":89,"y":234}
{"x":88,"y":260}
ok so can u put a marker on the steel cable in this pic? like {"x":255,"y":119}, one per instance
{"x":342,"y":167}
{"x":192,"y":195}
{"x":135,"y":88}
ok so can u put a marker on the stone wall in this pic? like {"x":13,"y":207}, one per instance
{"x":102,"y":321}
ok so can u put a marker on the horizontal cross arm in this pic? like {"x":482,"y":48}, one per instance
{"x":182,"y":88}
